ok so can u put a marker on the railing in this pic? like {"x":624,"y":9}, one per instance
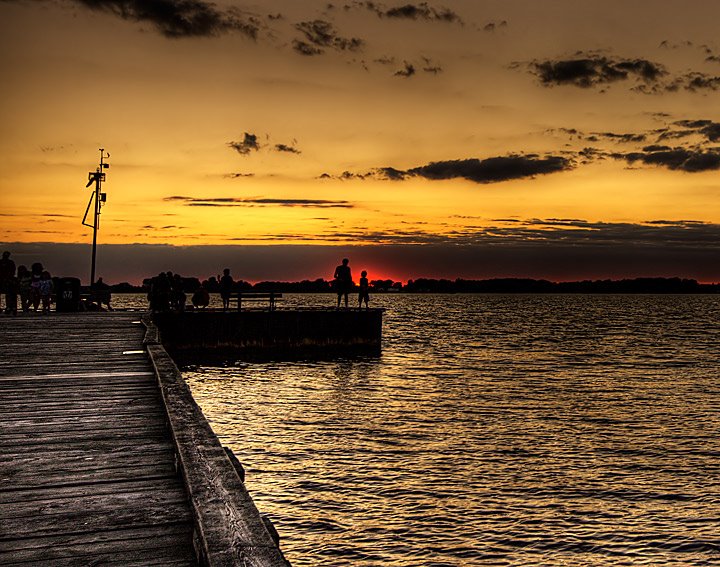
{"x":271,"y":298}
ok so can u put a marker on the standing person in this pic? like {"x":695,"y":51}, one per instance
{"x":343,"y":281}
{"x":23,"y":276}
{"x":178,"y":295}
{"x":102,"y":294}
{"x":11,"y":293}
{"x":36,"y":271}
{"x":7,"y":273}
{"x":226,"y":285}
{"x":46,"y":289}
{"x":364,"y":294}
{"x":159,"y":293}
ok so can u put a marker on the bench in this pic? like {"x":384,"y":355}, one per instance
{"x":271,"y":298}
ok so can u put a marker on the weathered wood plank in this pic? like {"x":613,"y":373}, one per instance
{"x":66,"y":546}
{"x":40,"y":469}
{"x":80,"y":375}
{"x":91,"y":450}
{"x":154,"y":505}
{"x":111,"y":432}
{"x":60,"y":389}
{"x":91,"y":447}
{"x":26,"y":501}
{"x":83,"y":423}
{"x":103,"y":408}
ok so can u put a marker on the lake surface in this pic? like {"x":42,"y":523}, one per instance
{"x":493,"y":430}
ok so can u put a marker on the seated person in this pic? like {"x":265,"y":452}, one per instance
{"x":201,"y":298}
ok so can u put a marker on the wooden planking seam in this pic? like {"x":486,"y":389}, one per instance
{"x":91,"y":447}
{"x":147,"y":372}
{"x":71,"y":411}
{"x":69,"y":491}
{"x":9,"y":495}
{"x":105,"y":434}
{"x":63,"y":385}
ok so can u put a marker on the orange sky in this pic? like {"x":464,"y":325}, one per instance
{"x":562,"y":123}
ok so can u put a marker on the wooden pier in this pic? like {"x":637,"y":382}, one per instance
{"x":106,"y":459}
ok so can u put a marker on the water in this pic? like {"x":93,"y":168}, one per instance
{"x":493,"y":430}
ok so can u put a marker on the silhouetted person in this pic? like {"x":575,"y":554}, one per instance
{"x":7,"y":273}
{"x":364,"y":292}
{"x":178,"y":294}
{"x":159,"y":293}
{"x":201,"y":297}
{"x":46,"y":289}
{"x":343,"y":281}
{"x":23,"y":276}
{"x":36,"y":271}
{"x":11,"y":295}
{"x":101,"y":293}
{"x":226,"y":285}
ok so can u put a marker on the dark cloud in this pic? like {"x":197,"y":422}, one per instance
{"x":248,"y":144}
{"x":707,"y":128}
{"x":665,"y":44}
{"x":320,"y":34}
{"x":391,"y":173}
{"x":586,"y":71}
{"x":493,"y":26}
{"x":237,"y":175}
{"x":705,"y":131}
{"x":345,"y":176}
{"x":678,"y":159}
{"x":385,"y":60}
{"x":48,"y":149}
{"x":304,"y":48}
{"x":624,"y":138}
{"x":695,"y":82}
{"x":430,"y":67}
{"x":179,"y":18}
{"x":492,"y":170}
{"x":419,"y":11}
{"x":408,"y":70}
{"x":241,"y":201}
{"x":166,"y":227}
{"x":669,"y":134}
{"x":286,"y":148}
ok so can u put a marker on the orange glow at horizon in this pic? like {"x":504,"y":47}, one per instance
{"x":224,"y":140}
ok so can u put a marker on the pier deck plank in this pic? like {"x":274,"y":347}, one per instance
{"x":87,"y":464}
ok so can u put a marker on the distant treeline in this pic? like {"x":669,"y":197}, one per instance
{"x":429,"y":285}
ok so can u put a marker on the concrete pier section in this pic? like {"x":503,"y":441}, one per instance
{"x":277,"y":333}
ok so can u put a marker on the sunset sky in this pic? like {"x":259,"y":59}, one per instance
{"x":560,"y":139}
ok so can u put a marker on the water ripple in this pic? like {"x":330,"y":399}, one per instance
{"x":493,"y":430}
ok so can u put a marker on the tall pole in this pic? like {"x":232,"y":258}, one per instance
{"x":95,"y":221}
{"x":97,"y":198}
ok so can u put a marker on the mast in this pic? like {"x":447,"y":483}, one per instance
{"x":97,"y":200}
